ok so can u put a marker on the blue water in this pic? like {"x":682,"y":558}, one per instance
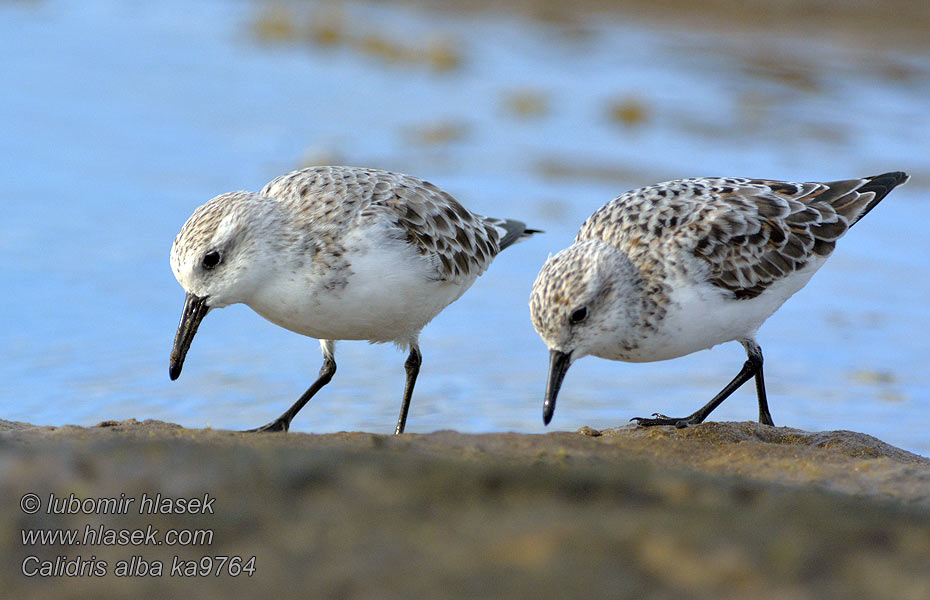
{"x":117,"y":120}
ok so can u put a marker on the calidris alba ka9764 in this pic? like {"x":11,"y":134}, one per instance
{"x":335,"y":253}
{"x":677,"y":267}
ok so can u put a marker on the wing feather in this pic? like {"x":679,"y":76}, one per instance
{"x":750,"y":232}
{"x":458,"y":243}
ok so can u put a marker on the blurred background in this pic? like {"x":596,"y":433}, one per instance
{"x":117,"y":119}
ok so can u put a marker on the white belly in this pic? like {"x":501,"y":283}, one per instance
{"x":390,"y":295}
{"x":702,"y":316}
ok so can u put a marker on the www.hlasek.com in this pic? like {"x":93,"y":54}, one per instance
{"x":98,"y":534}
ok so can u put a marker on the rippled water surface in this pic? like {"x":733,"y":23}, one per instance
{"x":118,"y":119}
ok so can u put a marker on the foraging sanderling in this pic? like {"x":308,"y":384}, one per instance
{"x":673,"y":268}
{"x":335,"y":253}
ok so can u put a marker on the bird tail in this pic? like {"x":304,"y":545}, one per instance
{"x":867,"y":195}
{"x":511,"y":231}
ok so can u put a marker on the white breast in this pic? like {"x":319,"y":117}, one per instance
{"x":700,"y":316}
{"x":391,"y":293}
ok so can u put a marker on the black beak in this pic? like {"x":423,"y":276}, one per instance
{"x":195,"y":309}
{"x":558,"y":366}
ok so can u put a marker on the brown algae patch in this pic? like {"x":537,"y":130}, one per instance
{"x":328,"y":28}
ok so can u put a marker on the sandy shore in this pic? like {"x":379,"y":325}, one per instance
{"x":718,"y":510}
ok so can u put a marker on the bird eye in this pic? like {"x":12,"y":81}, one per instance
{"x":578,"y":315}
{"x":210,"y":260}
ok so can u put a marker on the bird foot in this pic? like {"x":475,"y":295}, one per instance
{"x":276,"y":425}
{"x":660,"y":419}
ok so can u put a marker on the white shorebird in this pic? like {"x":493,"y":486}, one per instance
{"x":677,"y":267}
{"x":335,"y":253}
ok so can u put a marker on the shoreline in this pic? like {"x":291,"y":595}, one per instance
{"x":716,"y":509}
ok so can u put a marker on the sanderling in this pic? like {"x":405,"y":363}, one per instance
{"x":677,"y":267}
{"x":335,"y":253}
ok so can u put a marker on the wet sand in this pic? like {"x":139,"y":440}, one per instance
{"x":717,"y":510}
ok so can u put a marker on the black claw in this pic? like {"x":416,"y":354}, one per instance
{"x":660,"y":419}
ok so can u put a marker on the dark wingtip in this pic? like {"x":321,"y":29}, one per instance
{"x":174,"y":370}
{"x":884,"y":183}
{"x":516,"y":231}
{"x":881,"y":186}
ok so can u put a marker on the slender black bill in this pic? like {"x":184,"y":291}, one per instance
{"x":195,"y":309}
{"x":558,"y":366}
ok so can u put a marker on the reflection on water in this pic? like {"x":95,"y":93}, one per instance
{"x":116,"y":122}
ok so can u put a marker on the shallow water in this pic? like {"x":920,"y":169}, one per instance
{"x":117,"y":121}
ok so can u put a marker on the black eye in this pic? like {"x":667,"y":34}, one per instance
{"x":210,"y":260}
{"x":579,"y":315}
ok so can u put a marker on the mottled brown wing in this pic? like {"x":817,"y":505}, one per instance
{"x":761,"y":231}
{"x":459,"y":243}
{"x":751,"y":232}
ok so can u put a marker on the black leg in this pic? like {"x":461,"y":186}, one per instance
{"x":327,"y":371}
{"x":752,"y":367}
{"x":753,"y":349}
{"x":412,"y":366}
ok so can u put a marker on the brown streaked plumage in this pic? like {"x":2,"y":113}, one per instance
{"x":335,"y":253}
{"x":751,"y":232}
{"x":459,"y":243}
{"x":673,"y":268}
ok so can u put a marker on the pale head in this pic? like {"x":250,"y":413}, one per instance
{"x":217,"y":259}
{"x":583,"y":302}
{"x":215,"y":253}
